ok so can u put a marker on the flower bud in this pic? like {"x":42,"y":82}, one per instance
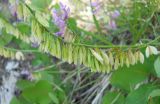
{"x":105,"y":57}
{"x":127,"y":61}
{"x":111,"y":60}
{"x":19,"y":55}
{"x":150,"y":50}
{"x":116,"y":64}
{"x":121,"y":59}
{"x":131,"y":57}
{"x":141,"y":57}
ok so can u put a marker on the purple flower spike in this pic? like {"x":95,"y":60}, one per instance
{"x":25,"y":74}
{"x":59,"y":33}
{"x":65,"y":11}
{"x":96,"y":10}
{"x":96,"y":7}
{"x":35,"y":45}
{"x":94,"y":4}
{"x":115,"y":14}
{"x":112,"y":24}
{"x":60,"y":18}
{"x":13,"y":8}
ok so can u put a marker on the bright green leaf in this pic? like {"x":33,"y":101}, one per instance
{"x":133,"y":76}
{"x":23,"y":84}
{"x":42,"y":19}
{"x":113,"y":98}
{"x":38,"y":93}
{"x":140,"y":95}
{"x":54,"y":98}
{"x":23,"y":28}
{"x":155,"y":93}
{"x":128,"y":78}
{"x":40,"y":5}
{"x":4,"y":38}
{"x":15,"y":101}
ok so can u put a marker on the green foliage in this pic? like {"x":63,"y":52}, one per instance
{"x":155,"y":93}
{"x":40,"y":91}
{"x":131,"y":83}
{"x":140,"y":95}
{"x":135,"y":74}
{"x":41,"y":59}
{"x":23,"y":28}
{"x":4,"y":38}
{"x":113,"y":98}
{"x":40,"y":5}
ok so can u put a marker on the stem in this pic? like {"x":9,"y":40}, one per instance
{"x":95,"y":19}
{"x":25,"y":51}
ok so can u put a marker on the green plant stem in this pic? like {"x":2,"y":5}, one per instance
{"x":95,"y":19}
{"x":49,"y":67}
{"x":120,"y":46}
{"x":116,"y":98}
{"x":25,"y":51}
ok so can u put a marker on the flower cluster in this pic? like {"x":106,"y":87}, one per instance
{"x":60,"y":17}
{"x":113,"y":17}
{"x":25,"y":74}
{"x":96,"y":6}
{"x":13,"y":8}
{"x":151,"y":50}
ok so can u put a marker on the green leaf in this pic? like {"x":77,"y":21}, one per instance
{"x":42,"y":19}
{"x":72,"y":25}
{"x":41,"y":59}
{"x":134,"y":74}
{"x":113,"y":98}
{"x":23,"y":28}
{"x":54,"y":98}
{"x":19,"y":100}
{"x":15,"y":101}
{"x":23,"y":84}
{"x":154,"y":100}
{"x":22,"y":44}
{"x":40,"y":5}
{"x":38,"y":93}
{"x":140,"y":95}
{"x":157,"y":66}
{"x":155,"y":93}
{"x":45,"y":76}
{"x":61,"y":97}
{"x":5,"y":38}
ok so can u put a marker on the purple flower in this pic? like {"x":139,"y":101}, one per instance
{"x":112,"y":24}
{"x":95,"y":6}
{"x":25,"y":74}
{"x":35,"y":45}
{"x":113,"y":17}
{"x":34,"y":42}
{"x":60,"y":17}
{"x":65,"y":11}
{"x":115,"y":14}
{"x":17,"y":92}
{"x":13,"y":8}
